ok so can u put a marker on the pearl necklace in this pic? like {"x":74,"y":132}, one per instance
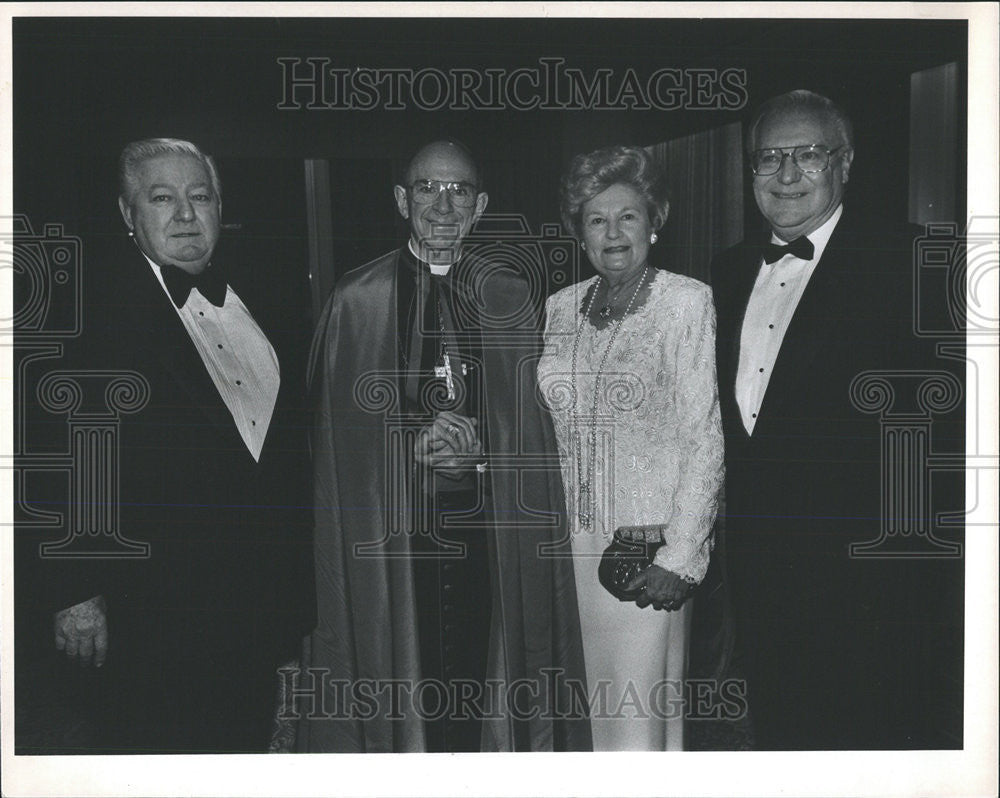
{"x":609,"y":308}
{"x":585,"y":501}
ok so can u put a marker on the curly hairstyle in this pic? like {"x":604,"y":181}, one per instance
{"x":597,"y":171}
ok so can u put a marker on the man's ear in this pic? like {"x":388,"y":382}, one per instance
{"x":126,"y":212}
{"x":845,"y":168}
{"x":401,"y":204}
{"x":482,"y":198}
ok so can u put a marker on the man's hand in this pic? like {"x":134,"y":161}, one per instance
{"x":82,"y":631}
{"x":449,"y":444}
{"x":665,"y":590}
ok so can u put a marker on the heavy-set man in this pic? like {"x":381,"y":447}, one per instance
{"x":213,"y":471}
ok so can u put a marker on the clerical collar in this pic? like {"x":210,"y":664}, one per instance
{"x":819,"y":237}
{"x":440,"y":269}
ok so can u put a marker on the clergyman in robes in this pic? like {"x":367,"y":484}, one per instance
{"x":447,"y":609}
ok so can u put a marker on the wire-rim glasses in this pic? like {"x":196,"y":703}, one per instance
{"x":808,"y":158}
{"x":462,"y":195}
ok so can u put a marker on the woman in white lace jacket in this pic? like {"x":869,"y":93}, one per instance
{"x":628,"y":373}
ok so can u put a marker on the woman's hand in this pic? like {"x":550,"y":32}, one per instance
{"x":664,"y":589}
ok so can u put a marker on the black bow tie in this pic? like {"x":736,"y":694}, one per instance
{"x":211,"y":284}
{"x":800,"y":248}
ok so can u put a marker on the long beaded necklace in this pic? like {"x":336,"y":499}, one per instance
{"x":585,"y":501}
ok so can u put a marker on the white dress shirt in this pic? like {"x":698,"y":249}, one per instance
{"x":773,"y":301}
{"x":238,"y":357}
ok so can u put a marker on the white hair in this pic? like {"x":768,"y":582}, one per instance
{"x":803,"y":101}
{"x":138,"y":151}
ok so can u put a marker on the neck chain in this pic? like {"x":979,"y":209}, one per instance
{"x":608,"y":308}
{"x":444,"y":370}
{"x":585,"y":500}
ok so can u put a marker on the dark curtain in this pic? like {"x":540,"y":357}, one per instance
{"x":933,"y":144}
{"x":705,"y":175}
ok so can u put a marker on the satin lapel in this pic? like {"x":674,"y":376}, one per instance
{"x":155,"y":322}
{"x":815,"y":320}
{"x":748,"y":265}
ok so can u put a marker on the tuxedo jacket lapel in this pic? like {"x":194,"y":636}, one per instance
{"x":151,"y":314}
{"x":797,"y":371}
{"x":732,"y":296}
{"x":747,"y":277}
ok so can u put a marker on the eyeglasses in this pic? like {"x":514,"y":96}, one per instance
{"x":462,"y":195}
{"x":809,"y":158}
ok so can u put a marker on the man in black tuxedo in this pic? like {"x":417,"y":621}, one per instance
{"x":213,"y":476}
{"x":839,"y":651}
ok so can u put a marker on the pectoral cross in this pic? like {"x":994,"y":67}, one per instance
{"x":445,"y":372}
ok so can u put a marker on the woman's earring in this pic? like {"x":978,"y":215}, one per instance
{"x":652,"y":238}
{"x":130,"y":233}
{"x":583,"y":245}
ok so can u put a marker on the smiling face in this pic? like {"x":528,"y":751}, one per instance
{"x":440,"y":225}
{"x":615,"y":227}
{"x":794,"y":202}
{"x":174,"y":211}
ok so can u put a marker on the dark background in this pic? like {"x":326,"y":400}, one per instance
{"x":85,"y":87}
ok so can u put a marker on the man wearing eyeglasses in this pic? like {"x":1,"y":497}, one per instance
{"x":832,"y":648}
{"x":432,"y":594}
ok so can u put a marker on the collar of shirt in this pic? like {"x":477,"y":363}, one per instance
{"x":819,"y":237}
{"x":159,"y":278}
{"x":439,"y":269}
{"x":239,"y":359}
{"x":455,"y":280}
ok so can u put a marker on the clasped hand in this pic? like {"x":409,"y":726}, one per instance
{"x":449,"y":444}
{"x":664,"y":589}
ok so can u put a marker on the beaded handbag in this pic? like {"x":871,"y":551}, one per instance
{"x":630,"y":552}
